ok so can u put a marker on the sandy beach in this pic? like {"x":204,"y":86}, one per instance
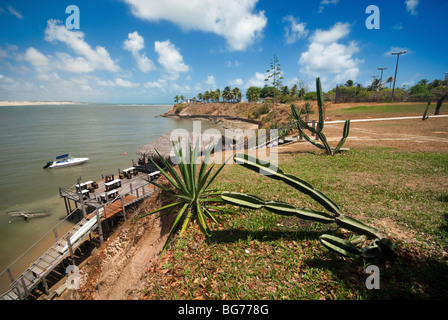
{"x":5,"y":103}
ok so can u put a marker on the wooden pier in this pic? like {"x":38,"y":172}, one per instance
{"x":101,"y":200}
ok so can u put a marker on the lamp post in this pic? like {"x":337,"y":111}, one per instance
{"x":381,"y":76}
{"x":396,"y":67}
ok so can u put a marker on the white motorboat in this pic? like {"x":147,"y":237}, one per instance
{"x":64,"y":161}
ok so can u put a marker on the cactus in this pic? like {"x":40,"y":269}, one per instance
{"x":350,"y":249}
{"x":302,"y":125}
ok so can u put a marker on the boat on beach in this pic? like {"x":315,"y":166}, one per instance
{"x":64,"y":161}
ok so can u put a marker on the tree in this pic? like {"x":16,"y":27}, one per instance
{"x":236,"y":94}
{"x":176,"y":99}
{"x":253,"y":94}
{"x":226,"y":93}
{"x":389,"y":81}
{"x":349,"y":83}
{"x":443,"y":97}
{"x":275,"y":79}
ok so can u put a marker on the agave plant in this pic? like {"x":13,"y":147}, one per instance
{"x":192,"y":198}
{"x":378,"y":246}
{"x":302,"y":125}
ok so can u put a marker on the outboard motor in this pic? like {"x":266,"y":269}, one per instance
{"x":49,"y":163}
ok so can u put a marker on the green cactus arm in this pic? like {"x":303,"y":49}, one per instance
{"x":320,"y":103}
{"x":340,"y":246}
{"x":344,"y":137}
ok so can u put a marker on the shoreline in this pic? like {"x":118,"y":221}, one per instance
{"x":9,"y":103}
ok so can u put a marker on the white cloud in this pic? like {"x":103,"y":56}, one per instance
{"x":38,"y":60}
{"x":97,"y":59}
{"x":333,"y":62}
{"x":232,"y":64}
{"x":76,"y":65}
{"x":236,"y":82}
{"x":152,"y":84}
{"x":15,"y":12}
{"x":170,"y":59}
{"x":211,"y":82}
{"x":411,"y":6}
{"x":338,"y":31}
{"x":125,"y":83}
{"x":294,"y":29}
{"x":234,"y":20}
{"x":324,"y":3}
{"x":135,"y":43}
{"x":257,"y":80}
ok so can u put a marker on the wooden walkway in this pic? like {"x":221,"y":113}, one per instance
{"x":37,"y":272}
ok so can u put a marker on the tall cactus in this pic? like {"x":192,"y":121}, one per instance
{"x":302,"y":125}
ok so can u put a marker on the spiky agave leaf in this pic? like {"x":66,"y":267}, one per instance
{"x":190,"y":189}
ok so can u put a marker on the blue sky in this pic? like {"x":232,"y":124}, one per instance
{"x":136,"y":51}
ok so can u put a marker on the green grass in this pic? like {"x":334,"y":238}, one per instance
{"x":387,"y":108}
{"x":259,"y":255}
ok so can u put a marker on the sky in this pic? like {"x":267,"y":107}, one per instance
{"x":149,"y":51}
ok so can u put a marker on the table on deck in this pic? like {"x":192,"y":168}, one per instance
{"x":113,"y":184}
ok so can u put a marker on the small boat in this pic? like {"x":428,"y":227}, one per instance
{"x":64,"y":161}
{"x":28,"y":215}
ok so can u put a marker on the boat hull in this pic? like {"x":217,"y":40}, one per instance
{"x":68,"y":163}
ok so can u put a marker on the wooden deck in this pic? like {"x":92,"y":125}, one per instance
{"x":131,"y":190}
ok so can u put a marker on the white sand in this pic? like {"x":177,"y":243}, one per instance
{"x":33,"y":103}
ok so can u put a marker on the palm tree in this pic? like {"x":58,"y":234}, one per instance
{"x":176,"y":99}
{"x":236,"y":94}
{"x":389,"y":81}
{"x":226,"y":93}
{"x":423,"y":82}
{"x":349,"y":83}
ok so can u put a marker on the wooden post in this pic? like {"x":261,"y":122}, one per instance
{"x":314,"y":127}
{"x":122,"y":207}
{"x":44,"y":282}
{"x":55,"y":234}
{"x":10,"y":275}
{"x":66,"y":208}
{"x":100,"y":229}
{"x":83,"y":208}
{"x":24,"y":287}
{"x":317,"y":129}
{"x":70,"y":249}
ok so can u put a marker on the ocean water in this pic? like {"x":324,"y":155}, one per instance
{"x":30,"y":136}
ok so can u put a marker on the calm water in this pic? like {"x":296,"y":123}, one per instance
{"x":32,"y":135}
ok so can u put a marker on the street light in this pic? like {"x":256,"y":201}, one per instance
{"x":396,"y":67}
{"x":381,"y":77}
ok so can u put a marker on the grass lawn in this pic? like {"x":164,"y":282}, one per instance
{"x":388,"y":108}
{"x":260,"y":255}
